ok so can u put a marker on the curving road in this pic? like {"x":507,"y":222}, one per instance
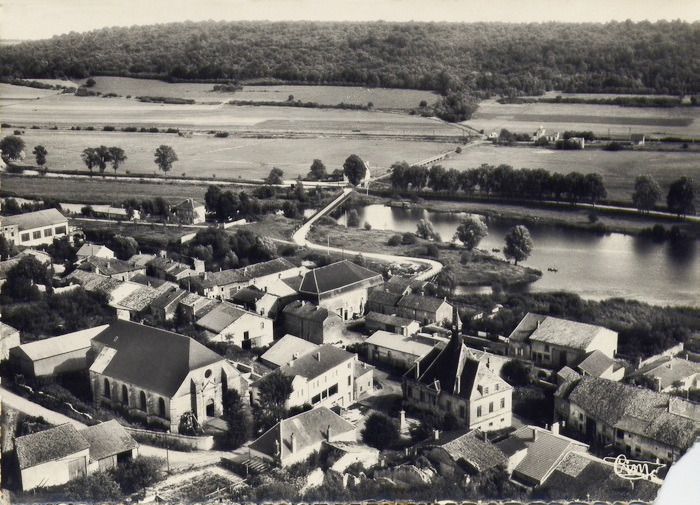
{"x":299,"y":238}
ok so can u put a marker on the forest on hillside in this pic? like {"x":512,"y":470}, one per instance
{"x":481,"y":58}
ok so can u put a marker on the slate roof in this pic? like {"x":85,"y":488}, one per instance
{"x":383,"y":297}
{"x":544,"y":452}
{"x":467,"y":446}
{"x":38,"y":219}
{"x":416,"y":346}
{"x":443,"y":365}
{"x":562,"y":332}
{"x":222,"y":316}
{"x":49,"y":445}
{"x":342,"y":274}
{"x":55,"y":346}
{"x":596,"y":363}
{"x":418,"y":302}
{"x":308,"y":311}
{"x":668,"y":370}
{"x":249,"y":272}
{"x":310,"y":366}
{"x":107,"y":439}
{"x":639,"y":410}
{"x":309,"y":428}
{"x":376,"y":317}
{"x":150,"y":358}
{"x":285,"y":348}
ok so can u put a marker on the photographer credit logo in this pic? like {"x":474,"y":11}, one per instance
{"x":630,"y":469}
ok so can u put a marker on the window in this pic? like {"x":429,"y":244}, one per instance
{"x":409,"y":391}
{"x":246,"y":335}
{"x":478,"y":411}
{"x":262,"y":326}
{"x":333,"y":390}
{"x":36,"y":234}
{"x":107,"y":389}
{"x":48,"y":232}
{"x":207,"y":374}
{"x":142,"y":402}
{"x":503,"y":403}
{"x":462,"y":412}
{"x":60,"y":230}
{"x":25,"y":237}
{"x":315,"y":399}
{"x":498,"y":386}
{"x":490,"y":406}
{"x":546,"y":347}
{"x":349,"y":381}
{"x":125,"y":395}
{"x":161,"y":407}
{"x":486,"y":390}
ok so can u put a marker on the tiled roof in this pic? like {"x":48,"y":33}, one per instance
{"x":141,"y":260}
{"x":249,"y":272}
{"x":94,"y":250}
{"x":416,"y":346}
{"x":596,"y":363}
{"x":567,"y":333}
{"x":49,"y":445}
{"x":139,"y":299}
{"x":154,"y":282}
{"x":317,"y":363}
{"x":418,"y":302}
{"x":285,"y":348}
{"x":153,"y":359}
{"x":668,"y":370}
{"x":309,"y":428}
{"x":38,"y":219}
{"x":525,"y":328}
{"x":342,"y":274}
{"x":189,"y":203}
{"x":107,"y":439}
{"x":168,"y":298}
{"x":107,"y":266}
{"x":62,"y":344}
{"x":376,"y":317}
{"x":308,"y":311}
{"x":222,"y":316}
{"x":468,"y":446}
{"x":248,"y":296}
{"x":384,"y":298}
{"x":398,"y":285}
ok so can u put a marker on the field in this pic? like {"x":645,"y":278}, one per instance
{"x":203,"y":155}
{"x":601,"y":119}
{"x":619,"y":169}
{"x":326,"y":95}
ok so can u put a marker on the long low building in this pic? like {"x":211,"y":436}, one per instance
{"x":399,"y":351}
{"x":65,"y":353}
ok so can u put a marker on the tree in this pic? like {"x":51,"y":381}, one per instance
{"x":447,"y":279}
{"x":12,"y":147}
{"x":211,"y":198}
{"x":139,"y":473}
{"x":97,"y":487}
{"x":471,"y":231}
{"x":646,"y":193}
{"x":23,"y":278}
{"x":273,"y":392}
{"x":681,"y":197}
{"x":380,"y":431}
{"x":89,"y":156}
{"x":102,"y":156}
{"x":455,"y":107}
{"x":124,"y":247}
{"x":353,"y":219}
{"x":518,"y":244}
{"x":164,"y":158}
{"x":275,"y":176}
{"x":575,"y":186}
{"x":425,"y":230}
{"x":117,"y":157}
{"x":318,"y":170}
{"x":595,"y":188}
{"x":354,"y":169}
{"x":90,"y":82}
{"x":237,"y":419}
{"x":40,"y":153}
{"x":7,"y":248}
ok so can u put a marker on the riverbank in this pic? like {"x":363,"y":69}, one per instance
{"x":475,"y":268}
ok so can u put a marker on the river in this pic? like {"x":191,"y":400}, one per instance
{"x":591,"y":265}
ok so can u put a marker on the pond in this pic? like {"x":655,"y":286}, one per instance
{"x":591,"y":265}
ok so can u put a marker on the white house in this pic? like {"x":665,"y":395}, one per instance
{"x":34,"y":228}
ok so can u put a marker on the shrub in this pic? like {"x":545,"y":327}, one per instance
{"x":138,"y":474}
{"x":368,"y":226}
{"x":99,"y":486}
{"x":394,"y":240}
{"x":408,"y":238}
{"x":221,"y":135}
{"x":380,"y":431}
{"x":108,"y":128}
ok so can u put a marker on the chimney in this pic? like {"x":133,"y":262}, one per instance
{"x":485,"y":436}
{"x":295,"y":355}
{"x":555,"y":428}
{"x":417,"y":369}
{"x":534,"y":434}
{"x":458,"y":385}
{"x":328,"y":433}
{"x":318,"y":356}
{"x":293,"y":440}
{"x":538,"y":324}
{"x":436,"y":434}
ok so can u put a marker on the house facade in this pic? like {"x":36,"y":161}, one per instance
{"x":425,"y":309}
{"x":398,"y":351}
{"x":190,"y":211}
{"x":403,"y":326}
{"x":312,"y":323}
{"x":34,"y":228}
{"x":450,"y":379}
{"x":228,"y":323}
{"x":157,"y":375}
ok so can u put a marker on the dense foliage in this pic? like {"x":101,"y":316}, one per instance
{"x":380,"y":431}
{"x":508,"y":59}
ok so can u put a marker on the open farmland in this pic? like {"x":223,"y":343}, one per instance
{"x":619,"y":169}
{"x":601,"y":119}
{"x":325,"y":95}
{"x":204,"y":155}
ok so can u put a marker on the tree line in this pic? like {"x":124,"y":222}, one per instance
{"x":490,"y":58}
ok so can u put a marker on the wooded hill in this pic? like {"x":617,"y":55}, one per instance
{"x":488,"y":58}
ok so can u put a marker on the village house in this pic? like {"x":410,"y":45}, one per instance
{"x":190,"y":211}
{"x":60,"y":454}
{"x":223,"y":284}
{"x":34,"y":228}
{"x":114,"y":268}
{"x":597,"y":364}
{"x":285,"y":350}
{"x":136,"y":304}
{"x":154,"y":282}
{"x":228,"y":323}
{"x":399,"y":351}
{"x":641,"y":423}
{"x":342,"y":287}
{"x":668,"y":373}
{"x":363,"y":380}
{"x":426,"y":309}
{"x":550,"y":341}
{"x":394,"y":324}
{"x":96,"y":250}
{"x":294,"y":439}
{"x":194,"y":306}
{"x":9,"y":338}
{"x":533,"y":453}
{"x":157,"y":375}
{"x":255,"y":300}
{"x":460,"y":453}
{"x":51,"y":356}
{"x":322,"y":377}
{"x":165,"y":268}
{"x":451,"y":379}
{"x":312,"y":323}
{"x":165,"y":306}
{"x":382,"y":301}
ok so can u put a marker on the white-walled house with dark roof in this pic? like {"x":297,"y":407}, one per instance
{"x":34,"y":228}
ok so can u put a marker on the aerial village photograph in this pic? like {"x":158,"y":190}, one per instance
{"x":359,"y":251}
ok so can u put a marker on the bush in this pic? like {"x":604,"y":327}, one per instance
{"x":516,"y":373}
{"x":138,"y":474}
{"x":99,"y":486}
{"x":380,"y":431}
{"x":353,"y":219}
{"x":221,"y":135}
{"x":408,"y":238}
{"x":394,"y":240}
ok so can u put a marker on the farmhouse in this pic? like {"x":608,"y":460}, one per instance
{"x":294,"y":439}
{"x":190,"y":211}
{"x":426,"y":309}
{"x":228,"y":323}
{"x":597,"y":364}
{"x":382,"y":301}
{"x":110,"y":445}
{"x":65,"y":353}
{"x":164,"y":307}
{"x":555,"y":342}
{"x":312,"y":323}
{"x":450,"y":379}
{"x":157,"y":375}
{"x":166,"y":268}
{"x":9,"y":338}
{"x":258,"y":301}
{"x":34,"y":228}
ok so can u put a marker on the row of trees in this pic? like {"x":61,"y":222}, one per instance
{"x":502,"y":180}
{"x":680,"y":198}
{"x":99,"y":157}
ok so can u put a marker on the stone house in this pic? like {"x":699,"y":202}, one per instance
{"x":425,"y":309}
{"x":228,"y":323}
{"x":401,"y":325}
{"x":312,"y":323}
{"x":96,"y":250}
